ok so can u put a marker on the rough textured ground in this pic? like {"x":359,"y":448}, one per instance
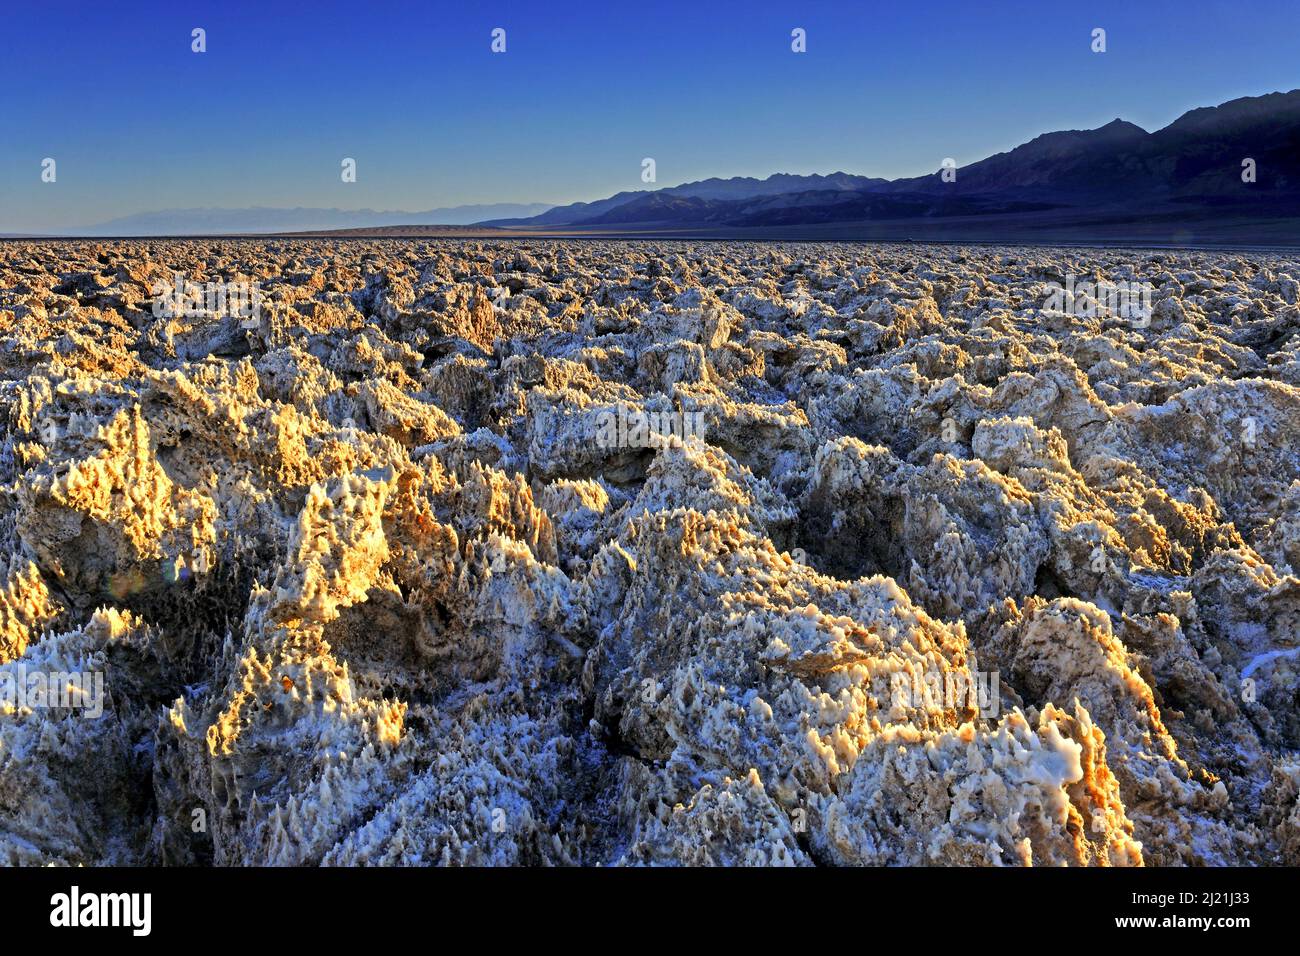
{"x":367,"y":588}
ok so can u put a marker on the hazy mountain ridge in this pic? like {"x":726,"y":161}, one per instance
{"x":259,"y":219}
{"x":737,"y":188}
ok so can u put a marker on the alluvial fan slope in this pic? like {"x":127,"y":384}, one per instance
{"x":395,"y":572}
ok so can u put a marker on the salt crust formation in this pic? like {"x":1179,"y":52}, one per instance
{"x":366,"y":588}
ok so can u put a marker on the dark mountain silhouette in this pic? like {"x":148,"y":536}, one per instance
{"x":1073,"y":163}
{"x":1187,"y":174}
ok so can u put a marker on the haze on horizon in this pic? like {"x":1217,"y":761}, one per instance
{"x":138,"y":122}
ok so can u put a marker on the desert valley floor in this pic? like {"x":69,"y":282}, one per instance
{"x":599,"y":552}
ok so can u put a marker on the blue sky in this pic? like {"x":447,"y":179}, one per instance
{"x":136,"y":121}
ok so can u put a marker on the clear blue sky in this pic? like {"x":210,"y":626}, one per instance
{"x":136,"y":121}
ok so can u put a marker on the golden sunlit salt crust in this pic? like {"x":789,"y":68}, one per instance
{"x":369,"y":584}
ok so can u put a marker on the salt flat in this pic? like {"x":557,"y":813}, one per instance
{"x":577,"y":552}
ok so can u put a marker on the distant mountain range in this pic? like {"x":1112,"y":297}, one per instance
{"x":737,"y":189}
{"x":1181,"y":184}
{"x":1183,"y":181}
{"x":259,"y":219}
